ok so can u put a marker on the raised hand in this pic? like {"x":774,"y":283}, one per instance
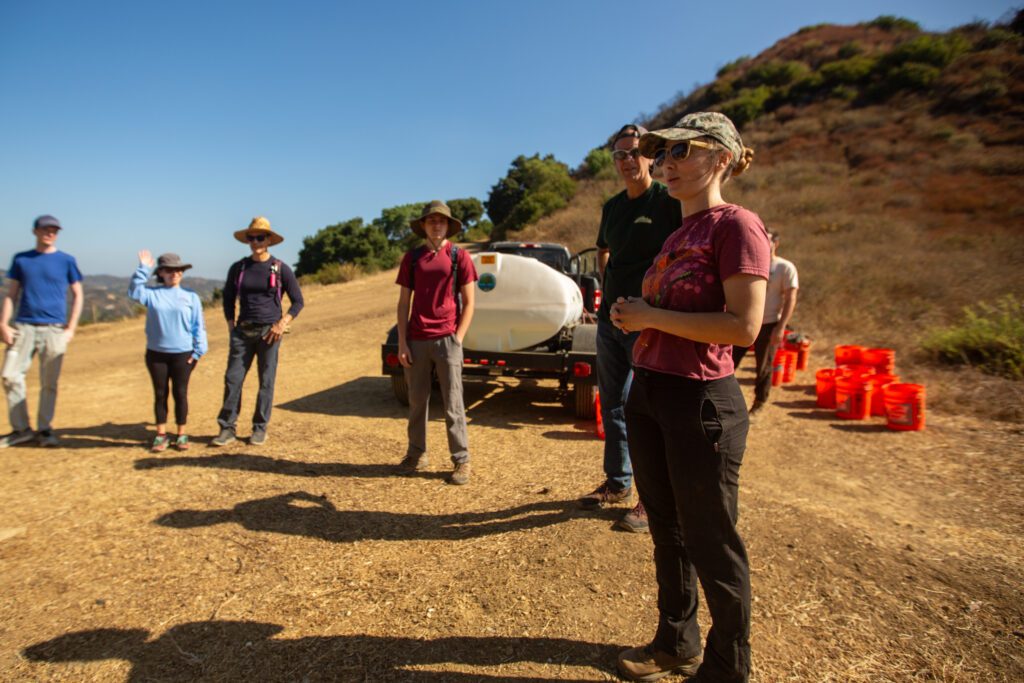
{"x":146,"y":258}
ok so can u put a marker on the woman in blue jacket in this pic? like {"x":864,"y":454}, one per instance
{"x":175,"y":339}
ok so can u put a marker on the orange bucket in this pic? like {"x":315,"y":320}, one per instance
{"x":789,"y":371}
{"x":878,"y":397}
{"x":856,"y":370}
{"x":904,"y":406}
{"x":853,"y":398}
{"x":848,"y":354}
{"x":825,"y":387}
{"x":778,"y":367}
{"x":883,"y":360}
{"x":803,"y":354}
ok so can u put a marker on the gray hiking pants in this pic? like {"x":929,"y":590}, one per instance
{"x":50,"y":342}
{"x":444,"y":355}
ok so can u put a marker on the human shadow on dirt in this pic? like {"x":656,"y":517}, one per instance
{"x":360,"y":397}
{"x":293,"y":468}
{"x":248,"y":651}
{"x":107,"y":435}
{"x":861,"y":427}
{"x":304,"y":514}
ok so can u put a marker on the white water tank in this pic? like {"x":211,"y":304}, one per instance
{"x":519,"y":303}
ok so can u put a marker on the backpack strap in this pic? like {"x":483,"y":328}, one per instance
{"x":275,"y":277}
{"x":241,"y":274}
{"x":414,"y":255}
{"x":455,"y":284}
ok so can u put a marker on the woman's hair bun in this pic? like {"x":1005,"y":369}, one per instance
{"x":743,"y":163}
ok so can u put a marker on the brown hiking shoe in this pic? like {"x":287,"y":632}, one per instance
{"x":415,"y":462}
{"x":647,"y":664}
{"x":605,"y":495}
{"x":460,"y":475}
{"x":635,"y":520}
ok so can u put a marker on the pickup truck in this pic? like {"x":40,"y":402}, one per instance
{"x":569,"y":356}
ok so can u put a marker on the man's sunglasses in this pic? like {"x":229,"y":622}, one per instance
{"x":679,"y":151}
{"x":622,"y":154}
{"x":255,"y":238}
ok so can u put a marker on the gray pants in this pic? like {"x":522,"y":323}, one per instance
{"x":50,"y":342}
{"x":445,"y":355}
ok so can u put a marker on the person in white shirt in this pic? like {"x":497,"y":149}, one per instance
{"x":779,"y":304}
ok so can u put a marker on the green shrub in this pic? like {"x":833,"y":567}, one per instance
{"x":775,"y":73}
{"x":990,"y":337}
{"x":533,"y":187}
{"x":352,"y":242}
{"x":910,"y":76}
{"x":812,"y":27}
{"x":720,"y":90}
{"x":997,"y":37}
{"x":850,"y":49}
{"x":332,"y":273}
{"x":937,"y":51}
{"x":747,"y":105}
{"x":889,"y":22}
{"x":598,"y":164}
{"x":848,"y":71}
{"x":731,"y":66}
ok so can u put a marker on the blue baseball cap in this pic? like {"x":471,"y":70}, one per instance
{"x":47,"y":221}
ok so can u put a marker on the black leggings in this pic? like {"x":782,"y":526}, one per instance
{"x":175,"y":368}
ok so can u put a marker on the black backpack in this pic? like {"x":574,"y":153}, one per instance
{"x":415,"y":256}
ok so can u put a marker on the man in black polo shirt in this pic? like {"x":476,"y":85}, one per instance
{"x":634,"y":225}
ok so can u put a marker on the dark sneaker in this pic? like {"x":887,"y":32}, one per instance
{"x":225,"y":437}
{"x":415,"y":462}
{"x":182,"y":442}
{"x":47,"y":439}
{"x":605,"y":495}
{"x":459,"y":475}
{"x":647,"y":664}
{"x":16,"y":438}
{"x":757,"y":407}
{"x":160,"y":443}
{"x":635,"y":520}
{"x":258,"y":438}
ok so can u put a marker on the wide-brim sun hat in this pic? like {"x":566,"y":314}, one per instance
{"x":259,"y":226}
{"x":171,"y":262}
{"x":440,"y":208}
{"x":711,"y":124}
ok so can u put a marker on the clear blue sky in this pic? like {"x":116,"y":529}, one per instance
{"x":169,"y":125}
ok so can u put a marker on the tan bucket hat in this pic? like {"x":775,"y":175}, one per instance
{"x":259,"y":226}
{"x":438,"y":207}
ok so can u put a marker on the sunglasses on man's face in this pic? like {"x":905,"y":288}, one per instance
{"x":623,"y":154}
{"x":255,"y":238}
{"x":679,"y":151}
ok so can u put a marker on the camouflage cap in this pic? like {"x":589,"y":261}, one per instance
{"x":438,"y":207}
{"x":710,"y":124}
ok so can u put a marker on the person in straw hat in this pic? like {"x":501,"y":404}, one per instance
{"x":257,"y":283}
{"x":686,"y":418}
{"x":175,"y":339}
{"x":431,"y":326}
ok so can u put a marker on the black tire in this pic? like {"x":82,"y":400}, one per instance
{"x":401,"y":388}
{"x":584,"y":393}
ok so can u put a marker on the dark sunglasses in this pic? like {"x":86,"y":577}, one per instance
{"x":255,"y":238}
{"x":622,"y":154}
{"x":679,"y":151}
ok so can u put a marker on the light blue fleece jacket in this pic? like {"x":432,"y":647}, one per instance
{"x":174,"y":316}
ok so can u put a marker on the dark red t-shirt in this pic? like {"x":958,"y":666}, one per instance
{"x":433,"y":310}
{"x":709,"y":248}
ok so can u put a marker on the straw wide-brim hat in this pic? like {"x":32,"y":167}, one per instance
{"x":259,"y":226}
{"x":438,"y":207}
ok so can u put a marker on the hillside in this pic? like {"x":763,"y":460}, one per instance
{"x":898,"y":201}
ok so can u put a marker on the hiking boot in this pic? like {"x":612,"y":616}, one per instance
{"x":605,"y":495}
{"x":181,"y":443}
{"x":459,"y":475}
{"x":647,"y":664}
{"x":635,"y":520}
{"x":258,"y":438}
{"x":415,"y":462}
{"x":160,"y":443}
{"x":16,"y":438}
{"x":47,"y":439}
{"x":225,"y":437}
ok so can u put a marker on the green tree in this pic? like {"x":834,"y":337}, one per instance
{"x":534,"y":187}
{"x":349,"y":242}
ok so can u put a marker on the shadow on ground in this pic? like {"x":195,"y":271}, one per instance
{"x":107,"y":435}
{"x":293,"y":468}
{"x":248,"y":651}
{"x":304,"y":514}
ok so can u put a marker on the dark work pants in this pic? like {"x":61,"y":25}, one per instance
{"x":175,"y":369}
{"x":240,"y":357}
{"x":686,"y":440}
{"x":764,"y":358}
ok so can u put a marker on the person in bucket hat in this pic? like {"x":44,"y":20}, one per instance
{"x":435,"y":308}
{"x":38,"y":282}
{"x":686,"y":418}
{"x":257,"y":283}
{"x":175,"y":339}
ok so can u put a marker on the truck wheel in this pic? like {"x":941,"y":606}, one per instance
{"x":584,"y":394}
{"x":401,"y":389}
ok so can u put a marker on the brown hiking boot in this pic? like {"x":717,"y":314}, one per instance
{"x":635,"y":520}
{"x":604,"y":495}
{"x":415,"y":462}
{"x":460,"y":475}
{"x":647,"y":664}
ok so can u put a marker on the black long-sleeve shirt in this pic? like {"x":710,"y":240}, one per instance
{"x":258,"y":299}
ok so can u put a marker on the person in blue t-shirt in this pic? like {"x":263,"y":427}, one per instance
{"x":41,"y":277}
{"x":175,"y":339}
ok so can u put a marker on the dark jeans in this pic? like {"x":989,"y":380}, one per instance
{"x":614,"y":374}
{"x":175,"y":369}
{"x":240,"y":356}
{"x":764,"y":359}
{"x":686,"y":439}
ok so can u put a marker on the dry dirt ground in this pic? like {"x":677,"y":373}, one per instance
{"x":876,"y":556}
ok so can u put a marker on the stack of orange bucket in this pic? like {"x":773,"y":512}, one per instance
{"x":864,"y":383}
{"x":789,"y":358}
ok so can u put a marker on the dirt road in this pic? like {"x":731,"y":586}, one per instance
{"x":876,"y":555}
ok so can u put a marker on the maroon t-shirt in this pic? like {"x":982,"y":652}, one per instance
{"x":709,"y":248}
{"x":433,"y":309}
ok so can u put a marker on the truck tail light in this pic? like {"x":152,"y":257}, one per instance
{"x":597,"y":299}
{"x":484,"y":361}
{"x":581,"y":369}
{"x":500,"y":363}
{"x":391,"y":360}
